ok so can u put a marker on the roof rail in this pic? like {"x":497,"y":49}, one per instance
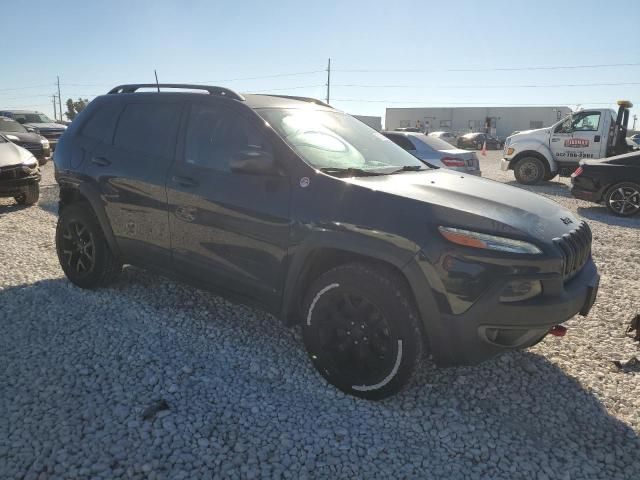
{"x":302,"y":99}
{"x":220,"y":91}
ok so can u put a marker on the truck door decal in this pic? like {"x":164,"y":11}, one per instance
{"x":576,"y":142}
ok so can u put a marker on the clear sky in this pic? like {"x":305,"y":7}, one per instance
{"x":94,"y":45}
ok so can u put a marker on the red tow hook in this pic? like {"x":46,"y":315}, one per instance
{"x":558,"y":331}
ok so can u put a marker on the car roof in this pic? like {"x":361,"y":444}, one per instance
{"x":252,"y":100}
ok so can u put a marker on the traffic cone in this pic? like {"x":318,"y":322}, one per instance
{"x":483,"y":152}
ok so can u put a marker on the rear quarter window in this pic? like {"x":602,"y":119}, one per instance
{"x":149,"y":128}
{"x":102,"y":122}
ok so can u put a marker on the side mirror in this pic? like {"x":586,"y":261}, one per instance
{"x":253,"y":162}
{"x":30,"y":129}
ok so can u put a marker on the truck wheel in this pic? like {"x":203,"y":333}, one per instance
{"x":30,"y":196}
{"x":83,"y":252}
{"x":529,"y":171}
{"x":361,"y":330}
{"x":623,"y":199}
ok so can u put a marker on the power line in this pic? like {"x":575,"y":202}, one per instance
{"x":423,"y":102}
{"x":493,"y":69}
{"x":25,"y":88}
{"x":492,"y":86}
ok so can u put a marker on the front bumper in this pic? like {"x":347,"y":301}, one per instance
{"x":15,"y":186}
{"x":505,"y":164}
{"x":490,"y":327}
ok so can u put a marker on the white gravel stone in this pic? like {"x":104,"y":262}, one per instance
{"x":79,"y":368}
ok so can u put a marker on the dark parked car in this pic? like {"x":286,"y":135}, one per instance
{"x":39,"y":123}
{"x":36,"y":144}
{"x":614,"y":182}
{"x":19,"y":173}
{"x":287,"y":204}
{"x":477,"y":139}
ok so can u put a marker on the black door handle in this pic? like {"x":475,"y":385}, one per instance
{"x":100,"y":161}
{"x":596,"y":139}
{"x":185,"y":181}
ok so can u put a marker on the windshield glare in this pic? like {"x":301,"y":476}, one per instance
{"x":8,"y":125}
{"x":328,"y":139}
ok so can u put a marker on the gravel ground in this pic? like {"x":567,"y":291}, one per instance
{"x":153,"y":379}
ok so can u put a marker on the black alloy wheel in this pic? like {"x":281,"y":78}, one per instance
{"x":361,"y":330}
{"x":623,"y":199}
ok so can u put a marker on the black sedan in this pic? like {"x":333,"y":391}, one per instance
{"x":35,"y":143}
{"x":477,"y":140}
{"x":614,"y":182}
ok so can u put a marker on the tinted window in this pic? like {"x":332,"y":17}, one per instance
{"x":215,"y":135}
{"x":102,"y":122}
{"x":435,"y":142}
{"x":8,"y":125}
{"x":401,"y":141}
{"x":149,"y":128}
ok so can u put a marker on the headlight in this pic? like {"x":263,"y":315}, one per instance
{"x":487,"y":242}
{"x":30,"y":162}
{"x":44,"y":141}
{"x":13,"y":138}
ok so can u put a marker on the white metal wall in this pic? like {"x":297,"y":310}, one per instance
{"x":462,"y":120}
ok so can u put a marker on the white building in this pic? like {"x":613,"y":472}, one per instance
{"x":500,"y":121}
{"x":373,"y":122}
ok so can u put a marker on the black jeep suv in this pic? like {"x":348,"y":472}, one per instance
{"x":290,"y":205}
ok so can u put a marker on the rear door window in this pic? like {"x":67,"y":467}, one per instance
{"x":149,"y":128}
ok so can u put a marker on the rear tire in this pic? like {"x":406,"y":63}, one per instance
{"x":361,"y":330}
{"x":83,"y":252}
{"x":30,"y":196}
{"x":529,"y":171}
{"x":623,"y":199}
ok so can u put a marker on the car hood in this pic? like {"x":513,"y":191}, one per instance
{"x":538,"y":132}
{"x":12,"y":154}
{"x":510,"y":210}
{"x":26,"y":137}
{"x":56,"y":126}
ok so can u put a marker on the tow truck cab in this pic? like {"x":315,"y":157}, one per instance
{"x":541,"y":154}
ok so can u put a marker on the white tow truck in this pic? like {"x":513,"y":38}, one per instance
{"x":537,"y":155}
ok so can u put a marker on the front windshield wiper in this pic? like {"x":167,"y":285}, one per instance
{"x":410,"y":168}
{"x":350,"y":172}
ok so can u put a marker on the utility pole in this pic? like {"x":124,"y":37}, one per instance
{"x":328,"y":79}
{"x":635,"y":117}
{"x":59,"y":99}
{"x":53,"y":97}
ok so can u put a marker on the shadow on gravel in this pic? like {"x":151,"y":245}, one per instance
{"x":13,"y":207}
{"x":516,"y":416}
{"x":547,"y":188}
{"x":599,"y":213}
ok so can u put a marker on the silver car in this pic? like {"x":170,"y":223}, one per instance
{"x":436,"y":152}
{"x":446,"y":136}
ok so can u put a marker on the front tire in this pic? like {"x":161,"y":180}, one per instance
{"x":30,"y":196}
{"x":83,"y":252}
{"x":361,"y":330}
{"x":623,"y":199}
{"x":529,"y":171}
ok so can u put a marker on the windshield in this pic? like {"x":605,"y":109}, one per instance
{"x":8,"y":125}
{"x":436,"y":143}
{"x":328,"y":139}
{"x":31,"y":118}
